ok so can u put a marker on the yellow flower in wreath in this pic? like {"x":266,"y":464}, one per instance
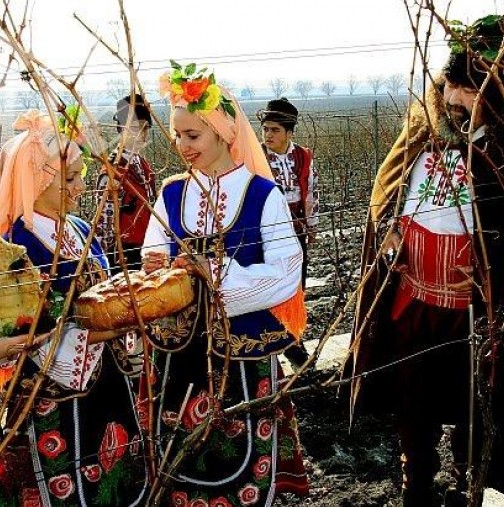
{"x":213,"y":98}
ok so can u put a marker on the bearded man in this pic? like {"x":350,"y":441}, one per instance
{"x":434,"y":247}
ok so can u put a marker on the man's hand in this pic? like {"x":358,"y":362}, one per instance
{"x":389,"y":249}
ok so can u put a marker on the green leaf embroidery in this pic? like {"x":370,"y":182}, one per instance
{"x":287,"y":447}
{"x":57,"y":465}
{"x":108,"y":490}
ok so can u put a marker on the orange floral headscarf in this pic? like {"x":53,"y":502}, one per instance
{"x":23,"y":175}
{"x":236,"y":131}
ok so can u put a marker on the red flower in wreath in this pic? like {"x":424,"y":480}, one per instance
{"x":45,"y":407}
{"x":248,"y":495}
{"x":30,"y":497}
{"x":92,"y":473}
{"x":264,"y":429}
{"x":262,"y":467}
{"x":199,"y":502}
{"x":196,"y":410}
{"x":61,"y":486}
{"x":263,"y":388}
{"x":51,"y":444}
{"x":220,"y":502}
{"x":113,"y":446}
{"x":193,"y":90}
{"x":179,"y":499}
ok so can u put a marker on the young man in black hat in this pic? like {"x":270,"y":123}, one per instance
{"x":135,"y":170}
{"x":293,"y":169}
{"x":436,"y":216}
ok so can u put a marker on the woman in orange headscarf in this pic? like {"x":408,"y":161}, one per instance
{"x":236,"y":223}
{"x":80,"y":443}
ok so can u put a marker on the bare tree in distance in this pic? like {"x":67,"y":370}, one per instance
{"x":278,"y":87}
{"x":303,"y":88}
{"x":353,"y":84}
{"x":375,"y":82}
{"x":29,"y":99}
{"x":418,"y":84}
{"x":328,"y":88}
{"x":117,"y":88}
{"x":227,"y":84}
{"x":395,"y":83}
{"x":248,"y":92}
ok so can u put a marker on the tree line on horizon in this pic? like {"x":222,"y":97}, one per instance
{"x":25,"y":97}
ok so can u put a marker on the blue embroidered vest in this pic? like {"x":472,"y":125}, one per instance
{"x":253,"y":335}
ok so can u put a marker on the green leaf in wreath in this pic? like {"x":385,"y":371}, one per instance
{"x":190,"y":69}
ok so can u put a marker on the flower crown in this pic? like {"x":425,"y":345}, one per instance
{"x":194,"y":86}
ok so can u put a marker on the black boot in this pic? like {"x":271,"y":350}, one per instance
{"x":424,"y":498}
{"x":297,"y":355}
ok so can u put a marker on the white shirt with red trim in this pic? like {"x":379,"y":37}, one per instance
{"x":243,"y":289}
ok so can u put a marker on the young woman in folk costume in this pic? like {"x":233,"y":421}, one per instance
{"x":80,"y":444}
{"x":228,"y":199}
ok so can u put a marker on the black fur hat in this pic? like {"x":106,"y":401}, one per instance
{"x":141,"y":111}
{"x":281,"y":111}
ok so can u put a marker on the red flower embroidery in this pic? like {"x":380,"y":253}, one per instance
{"x":220,"y":502}
{"x":45,"y":407}
{"x":30,"y":497}
{"x":179,"y":499}
{"x":51,"y":444}
{"x":262,"y":467}
{"x":248,"y":495}
{"x":92,"y":472}
{"x":199,"y":502}
{"x":461,"y":174}
{"x":263,"y":388}
{"x":61,"y":486}
{"x":113,"y":446}
{"x":264,"y":429}
{"x":196,"y":410}
{"x":234,"y":428}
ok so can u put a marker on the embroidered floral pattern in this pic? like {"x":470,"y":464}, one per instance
{"x":61,"y":486}
{"x":31,"y":497}
{"x":196,"y":410}
{"x":44,"y":407}
{"x":113,"y":446}
{"x":51,"y":444}
{"x":248,"y":495}
{"x":180,"y":499}
{"x":262,"y":467}
{"x":220,"y":502}
{"x":92,"y":473}
{"x":451,"y":188}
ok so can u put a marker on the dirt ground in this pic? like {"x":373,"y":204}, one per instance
{"x":357,"y":468}
{"x":346,"y":468}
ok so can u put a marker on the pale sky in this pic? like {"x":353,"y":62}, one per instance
{"x":317,"y":40}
